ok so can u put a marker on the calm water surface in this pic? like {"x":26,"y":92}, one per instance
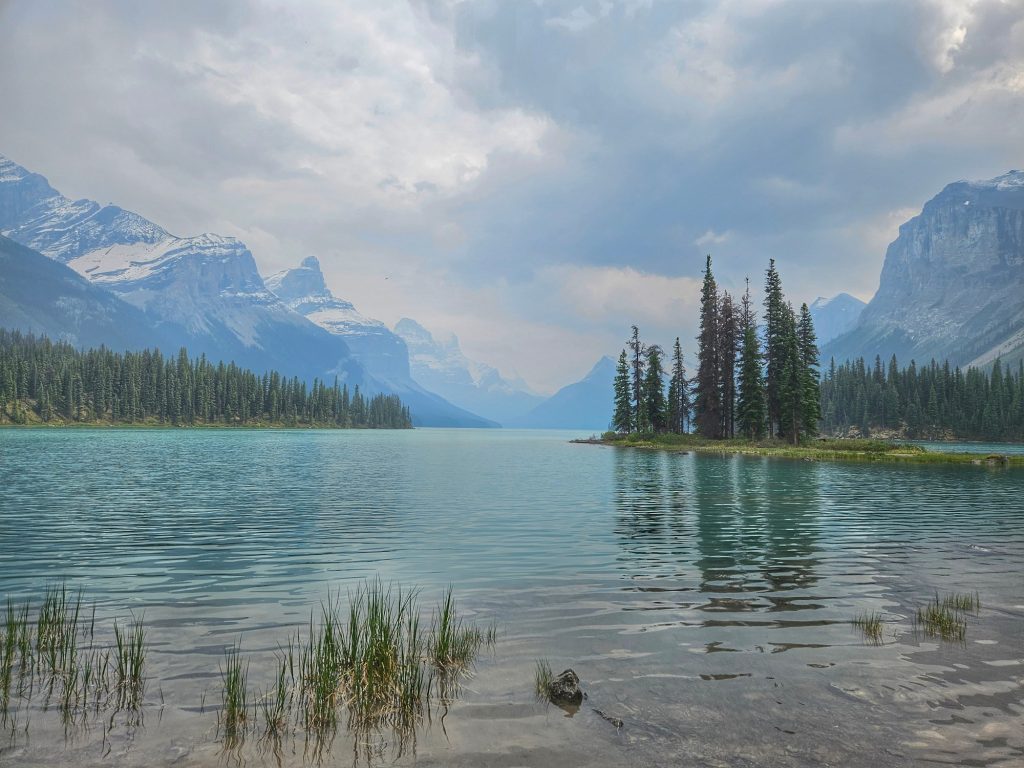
{"x":704,"y":601}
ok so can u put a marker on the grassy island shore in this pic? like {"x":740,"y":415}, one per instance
{"x":823,"y":449}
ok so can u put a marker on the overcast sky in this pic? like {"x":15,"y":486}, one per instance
{"x":534,"y":176}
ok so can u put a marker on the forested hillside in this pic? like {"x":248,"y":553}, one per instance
{"x":934,"y":401}
{"x":43,"y":381}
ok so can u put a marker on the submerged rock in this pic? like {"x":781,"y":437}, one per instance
{"x":565,"y":689}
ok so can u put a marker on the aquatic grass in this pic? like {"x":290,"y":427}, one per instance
{"x":234,"y":713}
{"x":542,"y":679}
{"x":940,"y":618}
{"x":276,"y":704}
{"x":871,"y":625}
{"x":453,"y":645}
{"x":129,"y":664}
{"x":964,"y":602}
{"x":370,"y":661}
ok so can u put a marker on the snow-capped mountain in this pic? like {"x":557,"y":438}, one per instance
{"x":381,"y":353}
{"x":440,"y":366}
{"x":587,"y":404}
{"x":835,"y":316}
{"x":952,"y":286}
{"x":203,"y":292}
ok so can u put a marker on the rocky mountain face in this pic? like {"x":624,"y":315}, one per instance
{"x":952,"y":285}
{"x":382,"y":353}
{"x":440,"y":366}
{"x":835,"y":316}
{"x":587,"y":404}
{"x":41,"y":296}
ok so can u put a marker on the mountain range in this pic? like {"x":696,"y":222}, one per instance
{"x":952,"y":284}
{"x":98,"y":274}
{"x":204,"y":293}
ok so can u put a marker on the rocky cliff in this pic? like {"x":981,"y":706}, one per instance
{"x":952,"y":285}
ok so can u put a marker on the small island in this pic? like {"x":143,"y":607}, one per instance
{"x":821,"y":449}
{"x":758,"y":391}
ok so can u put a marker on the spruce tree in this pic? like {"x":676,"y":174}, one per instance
{"x":707,"y":405}
{"x":775,"y":311}
{"x":678,"y":393}
{"x":808,"y":344}
{"x":622,"y":420}
{"x":654,"y":392}
{"x":750,"y":414}
{"x":727,"y":348}
{"x":791,"y":381}
{"x":637,"y":348}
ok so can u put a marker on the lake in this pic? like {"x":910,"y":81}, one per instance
{"x":705,"y":601}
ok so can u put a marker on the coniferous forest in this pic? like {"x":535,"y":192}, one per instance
{"x":751,"y":381}
{"x":933,"y":401}
{"x":53,"y":382}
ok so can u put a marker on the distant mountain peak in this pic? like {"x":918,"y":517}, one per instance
{"x":304,"y":282}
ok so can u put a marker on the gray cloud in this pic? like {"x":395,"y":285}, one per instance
{"x":510,"y":166}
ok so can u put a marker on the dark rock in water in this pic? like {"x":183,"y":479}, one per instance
{"x":565,"y":689}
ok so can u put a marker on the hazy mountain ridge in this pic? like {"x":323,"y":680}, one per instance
{"x":585,"y":404}
{"x":952,"y":285}
{"x":382,"y":353}
{"x":441,"y":366}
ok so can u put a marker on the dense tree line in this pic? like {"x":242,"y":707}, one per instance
{"x":49,"y":381}
{"x":739,"y":387}
{"x":934,"y":401}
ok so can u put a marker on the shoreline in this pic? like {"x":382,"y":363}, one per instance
{"x":825,"y":449}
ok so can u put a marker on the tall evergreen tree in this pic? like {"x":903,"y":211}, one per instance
{"x":791,"y":381}
{"x":637,"y":349}
{"x":708,"y":405}
{"x":808,"y":345}
{"x":622,"y":420}
{"x":750,"y":411}
{"x":775,"y":322}
{"x":678,"y":393}
{"x":727,"y":348}
{"x":656,"y":416}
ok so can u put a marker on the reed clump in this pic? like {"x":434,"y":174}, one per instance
{"x":945,"y":617}
{"x":53,"y":653}
{"x":871,"y":626}
{"x":368,"y":660}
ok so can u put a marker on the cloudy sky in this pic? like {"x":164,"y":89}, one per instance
{"x":534,"y":176}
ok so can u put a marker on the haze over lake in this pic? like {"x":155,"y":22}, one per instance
{"x":705,"y":601}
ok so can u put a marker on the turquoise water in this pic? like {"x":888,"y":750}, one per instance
{"x":704,"y":601}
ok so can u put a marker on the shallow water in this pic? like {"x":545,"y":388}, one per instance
{"x":705,"y":601}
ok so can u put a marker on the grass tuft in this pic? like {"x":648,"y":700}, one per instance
{"x":542,"y":678}
{"x":943,"y":617}
{"x":871,"y":625}
{"x":234,"y":713}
